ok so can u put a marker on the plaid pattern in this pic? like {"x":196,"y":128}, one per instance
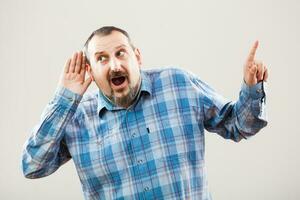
{"x":152,"y":150}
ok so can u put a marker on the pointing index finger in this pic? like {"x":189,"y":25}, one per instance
{"x":252,"y":52}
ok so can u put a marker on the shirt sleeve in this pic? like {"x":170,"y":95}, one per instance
{"x":45,"y":150}
{"x":233,"y":120}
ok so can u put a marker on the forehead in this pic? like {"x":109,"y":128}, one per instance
{"x":107,"y":43}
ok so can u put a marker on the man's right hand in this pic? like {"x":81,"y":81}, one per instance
{"x":73,"y":76}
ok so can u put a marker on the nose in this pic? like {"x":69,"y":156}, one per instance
{"x":115,"y":64}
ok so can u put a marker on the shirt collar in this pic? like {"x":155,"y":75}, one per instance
{"x":104,"y":103}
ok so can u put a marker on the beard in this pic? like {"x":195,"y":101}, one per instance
{"x":127,"y":99}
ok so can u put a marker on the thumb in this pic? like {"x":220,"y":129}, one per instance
{"x":253,"y":70}
{"x":250,"y":75}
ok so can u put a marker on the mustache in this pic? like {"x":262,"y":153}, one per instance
{"x":114,"y":74}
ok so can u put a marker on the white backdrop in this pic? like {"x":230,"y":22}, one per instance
{"x":210,"y":38}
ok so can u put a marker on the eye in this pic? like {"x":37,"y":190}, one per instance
{"x":120,"y":53}
{"x":102,"y":58}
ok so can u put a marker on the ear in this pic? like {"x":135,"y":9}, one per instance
{"x":89,"y":71}
{"x":138,"y":56}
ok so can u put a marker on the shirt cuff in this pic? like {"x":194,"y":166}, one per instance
{"x":66,"y":97}
{"x":256,"y":91}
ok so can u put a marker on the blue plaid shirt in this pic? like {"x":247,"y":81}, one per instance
{"x":152,"y":150}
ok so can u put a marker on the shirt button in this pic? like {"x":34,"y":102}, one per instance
{"x":146,"y":188}
{"x":99,"y":142}
{"x":140,"y":161}
{"x":259,"y":90}
{"x":133,"y":135}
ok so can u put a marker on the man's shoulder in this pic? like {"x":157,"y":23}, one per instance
{"x":90,"y":96}
{"x":174,"y":74}
{"x":166,"y":72}
{"x":169,"y":79}
{"x":88,"y":104}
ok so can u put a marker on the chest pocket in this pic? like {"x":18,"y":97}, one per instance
{"x":89,"y":162}
{"x":86,"y":148}
{"x":176,"y":135}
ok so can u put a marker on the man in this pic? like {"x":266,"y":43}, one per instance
{"x":141,"y":135}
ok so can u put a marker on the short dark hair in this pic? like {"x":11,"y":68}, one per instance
{"x":104,"y":31}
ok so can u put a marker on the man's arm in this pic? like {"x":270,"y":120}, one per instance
{"x":234,"y":120}
{"x":45,"y":150}
{"x":245,"y":117}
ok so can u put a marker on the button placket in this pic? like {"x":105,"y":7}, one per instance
{"x":138,"y":157}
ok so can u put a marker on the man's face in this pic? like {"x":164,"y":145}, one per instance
{"x":115,"y":67}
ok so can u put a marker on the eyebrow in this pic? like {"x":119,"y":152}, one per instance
{"x":118,"y":47}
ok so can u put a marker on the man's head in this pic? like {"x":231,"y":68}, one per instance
{"x":114,"y":64}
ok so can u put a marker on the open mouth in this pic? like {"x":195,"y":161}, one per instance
{"x":118,"y":80}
